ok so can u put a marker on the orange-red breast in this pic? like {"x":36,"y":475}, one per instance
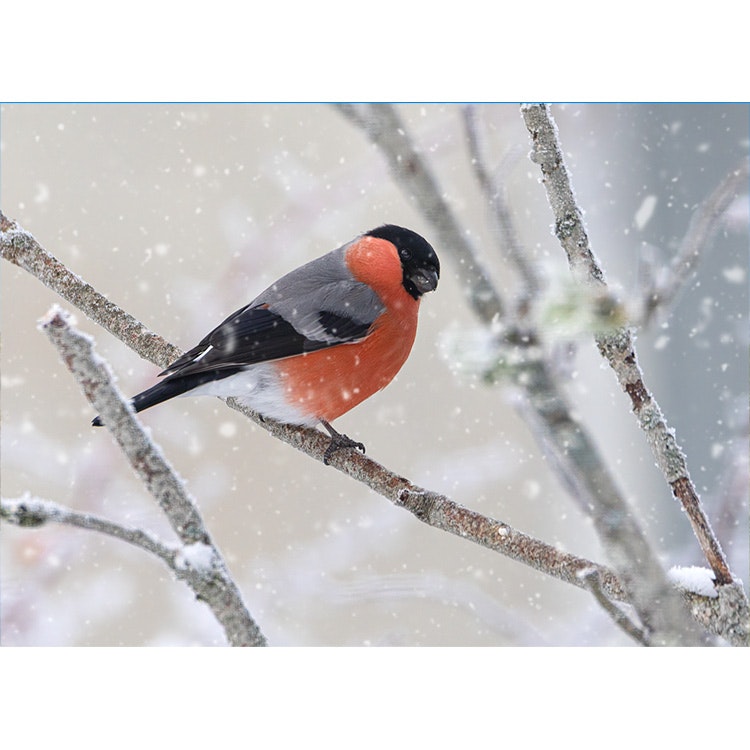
{"x":318,"y":341}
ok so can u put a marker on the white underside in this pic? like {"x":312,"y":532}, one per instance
{"x":259,"y":387}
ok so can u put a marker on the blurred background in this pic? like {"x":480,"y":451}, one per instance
{"x":181,"y":213}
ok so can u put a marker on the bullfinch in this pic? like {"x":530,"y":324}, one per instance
{"x":318,"y":341}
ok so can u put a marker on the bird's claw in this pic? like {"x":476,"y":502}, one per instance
{"x":338,"y":442}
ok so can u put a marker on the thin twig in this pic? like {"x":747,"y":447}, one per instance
{"x":196,"y":564}
{"x":593,"y":583}
{"x":30,"y":512}
{"x":704,"y":224}
{"x":617,"y":346}
{"x":502,"y":221}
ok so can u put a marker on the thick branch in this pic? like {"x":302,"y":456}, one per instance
{"x":617,"y":346}
{"x":215,"y":586}
{"x":725,"y":615}
{"x":21,"y":248}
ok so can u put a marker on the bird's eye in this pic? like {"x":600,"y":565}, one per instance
{"x":406,"y":254}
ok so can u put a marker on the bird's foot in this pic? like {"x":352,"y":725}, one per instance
{"x":338,"y":442}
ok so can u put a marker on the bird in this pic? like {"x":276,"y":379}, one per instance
{"x":317,"y":342}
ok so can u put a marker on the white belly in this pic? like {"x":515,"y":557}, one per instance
{"x":260,"y":388}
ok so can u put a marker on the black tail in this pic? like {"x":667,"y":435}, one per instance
{"x":171,"y":387}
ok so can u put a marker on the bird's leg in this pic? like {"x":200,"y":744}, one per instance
{"x":338,"y":441}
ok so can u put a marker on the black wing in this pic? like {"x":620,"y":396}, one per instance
{"x":255,"y":334}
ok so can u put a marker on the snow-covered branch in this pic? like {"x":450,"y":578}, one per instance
{"x":32,"y":512}
{"x":721,"y":610}
{"x":617,"y":346}
{"x":21,"y":248}
{"x":215,"y":585}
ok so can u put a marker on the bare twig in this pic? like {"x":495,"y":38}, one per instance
{"x":593,"y":583}
{"x":215,"y":586}
{"x":502,"y":222}
{"x":617,"y":346}
{"x":30,"y":512}
{"x":704,"y":224}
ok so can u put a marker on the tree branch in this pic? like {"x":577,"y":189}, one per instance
{"x":704,"y":224}
{"x":725,"y":615}
{"x":21,"y":248}
{"x":214,"y":585}
{"x":593,"y":582}
{"x":617,"y":346}
{"x":581,"y":465}
{"x":442,"y":513}
{"x":29,"y":512}
{"x":494,"y":193}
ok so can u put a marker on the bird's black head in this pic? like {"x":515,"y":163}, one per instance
{"x":418,"y":259}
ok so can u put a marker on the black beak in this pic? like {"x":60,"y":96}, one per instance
{"x":424,"y":279}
